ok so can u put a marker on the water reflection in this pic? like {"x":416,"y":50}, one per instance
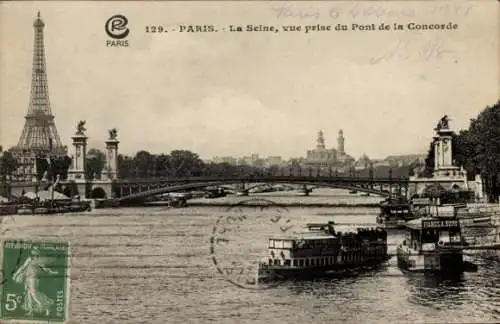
{"x":434,"y":289}
{"x":333,"y":284}
{"x":323,"y":287}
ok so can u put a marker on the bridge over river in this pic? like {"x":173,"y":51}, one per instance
{"x":140,"y":189}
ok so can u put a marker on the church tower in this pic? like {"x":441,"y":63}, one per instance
{"x":340,"y":143}
{"x":320,"y":141}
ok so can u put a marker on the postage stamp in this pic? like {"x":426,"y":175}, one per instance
{"x":36,"y":283}
{"x":240,"y":237}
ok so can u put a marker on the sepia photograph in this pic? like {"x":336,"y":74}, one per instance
{"x":250,"y":162}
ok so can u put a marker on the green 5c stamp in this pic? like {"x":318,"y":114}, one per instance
{"x":35,"y":287}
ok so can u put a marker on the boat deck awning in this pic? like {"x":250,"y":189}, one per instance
{"x":303,"y":236}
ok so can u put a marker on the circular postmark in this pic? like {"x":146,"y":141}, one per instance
{"x":239,"y":240}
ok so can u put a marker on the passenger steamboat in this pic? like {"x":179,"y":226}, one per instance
{"x":322,"y":251}
{"x":434,"y":244}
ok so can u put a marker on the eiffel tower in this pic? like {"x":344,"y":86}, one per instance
{"x":39,"y":136}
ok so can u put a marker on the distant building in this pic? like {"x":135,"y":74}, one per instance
{"x":273,"y":160}
{"x":390,"y":161}
{"x":363,"y":163}
{"x":224,"y":159}
{"x":323,"y":157}
{"x":253,"y":160}
{"x":380,"y":163}
{"x":405,"y":160}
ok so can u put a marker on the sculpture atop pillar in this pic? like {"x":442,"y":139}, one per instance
{"x":80,"y":128}
{"x":113,"y":133}
{"x":443,"y":123}
{"x":112,"y":155}
{"x":78,"y":159}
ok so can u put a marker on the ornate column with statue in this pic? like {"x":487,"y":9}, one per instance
{"x":79,"y":154}
{"x":445,"y":173}
{"x":443,"y":155}
{"x":111,"y":167}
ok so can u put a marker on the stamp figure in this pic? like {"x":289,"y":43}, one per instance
{"x":36,"y":289}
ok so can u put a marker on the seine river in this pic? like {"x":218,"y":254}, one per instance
{"x":155,"y":265}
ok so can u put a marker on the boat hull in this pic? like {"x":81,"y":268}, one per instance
{"x":106,"y":203}
{"x":269,"y":273}
{"x":441,"y":261}
{"x":54,"y":209}
{"x":25,"y":211}
{"x":8,"y":209}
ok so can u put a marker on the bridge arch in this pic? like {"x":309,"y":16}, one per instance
{"x":260,"y":184}
{"x":70,"y":189}
{"x":326,"y":183}
{"x":98,"y":193}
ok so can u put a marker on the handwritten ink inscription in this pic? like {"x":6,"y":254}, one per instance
{"x":403,"y":50}
{"x":363,"y":10}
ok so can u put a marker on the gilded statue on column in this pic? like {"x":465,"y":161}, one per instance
{"x":80,"y":128}
{"x":443,"y":123}
{"x":113,"y":134}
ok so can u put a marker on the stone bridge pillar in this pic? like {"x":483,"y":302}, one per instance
{"x":103,"y":188}
{"x":111,"y":168}
{"x":76,"y":172}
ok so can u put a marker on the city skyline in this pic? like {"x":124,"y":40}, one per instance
{"x":280,"y":92}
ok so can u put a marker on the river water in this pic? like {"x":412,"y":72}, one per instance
{"x":155,"y":265}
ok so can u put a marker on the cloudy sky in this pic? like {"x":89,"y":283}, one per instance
{"x":240,"y":93}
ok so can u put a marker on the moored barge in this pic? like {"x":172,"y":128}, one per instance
{"x":53,"y":207}
{"x":434,"y":244}
{"x":321,"y":251}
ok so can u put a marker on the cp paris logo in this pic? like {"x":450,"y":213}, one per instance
{"x":116,"y":28}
